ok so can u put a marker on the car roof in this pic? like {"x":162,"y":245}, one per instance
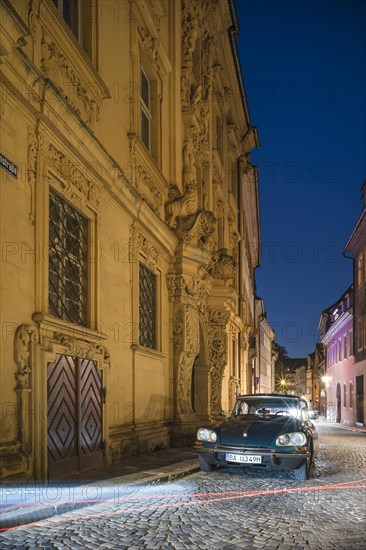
{"x":269,"y":395}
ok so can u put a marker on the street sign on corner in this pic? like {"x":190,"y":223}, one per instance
{"x":8,"y":166}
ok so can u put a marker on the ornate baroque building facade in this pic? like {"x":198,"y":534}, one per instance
{"x":130,"y":228}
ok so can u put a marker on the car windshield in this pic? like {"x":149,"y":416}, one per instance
{"x":269,"y":408}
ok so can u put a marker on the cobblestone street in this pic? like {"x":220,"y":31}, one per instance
{"x":228,"y":509}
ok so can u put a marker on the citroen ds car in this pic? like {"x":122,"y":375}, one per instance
{"x":263,"y":431}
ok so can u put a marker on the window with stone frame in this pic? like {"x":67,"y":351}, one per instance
{"x":344,"y":395}
{"x":145,"y":111}
{"x":339,"y":350}
{"x":360,"y":261}
{"x":147,"y":307}
{"x":345,"y":346}
{"x":80,"y":16}
{"x":350,"y":394}
{"x":68,"y":261}
{"x":360,"y":334}
{"x":350,"y":335}
{"x":150,"y":108}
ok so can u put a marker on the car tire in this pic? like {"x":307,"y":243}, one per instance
{"x":205,"y":466}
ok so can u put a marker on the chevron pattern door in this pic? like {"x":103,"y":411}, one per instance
{"x":74,"y":387}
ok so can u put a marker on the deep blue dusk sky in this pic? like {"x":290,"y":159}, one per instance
{"x":304,"y":67}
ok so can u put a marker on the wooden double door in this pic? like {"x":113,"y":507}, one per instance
{"x":74,"y":415}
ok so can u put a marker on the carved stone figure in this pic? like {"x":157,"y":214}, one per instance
{"x":189,"y":164}
{"x":196,"y":97}
{"x":182,"y":206}
{"x":189,"y":41}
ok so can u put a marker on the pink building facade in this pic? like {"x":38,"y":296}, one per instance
{"x":356,"y":249}
{"x":336,"y":327}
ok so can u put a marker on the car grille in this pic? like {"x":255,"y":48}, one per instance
{"x":223,"y":447}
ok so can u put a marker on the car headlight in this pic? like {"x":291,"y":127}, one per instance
{"x":296,"y":439}
{"x":204,"y":434}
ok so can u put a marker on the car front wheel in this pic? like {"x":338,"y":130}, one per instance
{"x":205,"y":466}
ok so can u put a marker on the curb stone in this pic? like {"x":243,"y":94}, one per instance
{"x":16,"y":515}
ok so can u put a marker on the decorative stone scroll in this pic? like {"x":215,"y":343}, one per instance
{"x":221,"y":265}
{"x":197,"y":229}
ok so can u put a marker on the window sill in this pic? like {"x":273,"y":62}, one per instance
{"x":148,"y":352}
{"x":50,"y":323}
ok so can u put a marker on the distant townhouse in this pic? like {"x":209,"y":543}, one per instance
{"x":315,"y":384}
{"x":291,"y":377}
{"x":336,"y":330}
{"x":356,"y":248}
{"x":264,"y":364}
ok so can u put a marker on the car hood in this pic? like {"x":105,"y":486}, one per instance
{"x":259,"y":432}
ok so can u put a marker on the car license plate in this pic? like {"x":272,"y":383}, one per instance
{"x":245,"y":459}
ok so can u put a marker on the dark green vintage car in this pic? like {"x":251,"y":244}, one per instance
{"x":264,"y":431}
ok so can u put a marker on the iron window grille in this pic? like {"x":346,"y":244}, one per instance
{"x":68,"y":262}
{"x":147,"y":307}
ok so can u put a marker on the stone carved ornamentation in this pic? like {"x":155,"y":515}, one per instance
{"x":25,"y":336}
{"x":33,"y":18}
{"x":221,"y":265}
{"x":218,"y":353}
{"x":186,"y":325}
{"x":189,"y":164}
{"x":192,"y":292}
{"x":182,"y":206}
{"x":82,"y":348}
{"x":192,"y":331}
{"x":138,"y":243}
{"x":35,"y":145}
{"x":151,"y":45}
{"x":156,"y":13}
{"x":197,"y":229}
{"x":190,"y":31}
{"x":189,"y":295}
{"x":143,"y":185}
{"x":75,"y":183}
{"x":178,"y":330}
{"x":184,"y":383}
{"x":148,"y":189}
{"x":51,"y":56}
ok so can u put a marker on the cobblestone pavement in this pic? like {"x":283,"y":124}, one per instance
{"x":229,"y":509}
